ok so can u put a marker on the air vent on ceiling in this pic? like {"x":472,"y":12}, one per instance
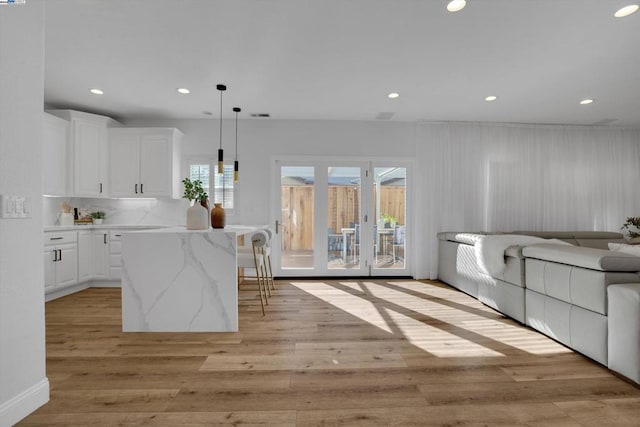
{"x":385,"y":115}
{"x":263,"y":115}
{"x":605,"y":122}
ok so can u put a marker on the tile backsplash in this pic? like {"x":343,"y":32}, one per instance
{"x":122,"y":211}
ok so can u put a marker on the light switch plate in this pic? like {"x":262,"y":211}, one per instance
{"x":12,"y":206}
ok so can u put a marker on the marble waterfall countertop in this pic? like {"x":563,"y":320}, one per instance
{"x":103,"y":227}
{"x":178,"y":280}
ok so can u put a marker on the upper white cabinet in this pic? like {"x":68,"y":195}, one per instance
{"x":88,"y":141}
{"x":54,"y":156}
{"x":144,"y":162}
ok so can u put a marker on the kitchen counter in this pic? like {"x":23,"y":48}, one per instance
{"x":103,"y":227}
{"x":178,"y":280}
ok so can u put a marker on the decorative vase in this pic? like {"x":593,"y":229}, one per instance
{"x":217,"y":216}
{"x":97,"y":221}
{"x":205,"y":204}
{"x":197,"y":217}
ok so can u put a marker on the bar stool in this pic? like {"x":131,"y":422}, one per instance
{"x":267,"y":263}
{"x":256,"y":259}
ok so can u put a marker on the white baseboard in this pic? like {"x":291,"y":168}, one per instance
{"x":105,"y":284}
{"x":66,"y":291}
{"x":25,"y":403}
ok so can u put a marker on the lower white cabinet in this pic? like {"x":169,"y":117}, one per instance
{"x":85,"y":255}
{"x":76,"y":257}
{"x":60,"y":260}
{"x":101,"y":254}
{"x":115,"y":254}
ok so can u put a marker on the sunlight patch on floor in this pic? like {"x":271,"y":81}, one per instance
{"x":351,"y":304}
{"x":496,"y":329}
{"x":436,"y":341}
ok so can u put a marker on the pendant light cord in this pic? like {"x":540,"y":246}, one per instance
{"x":221,"y":120}
{"x":236,"y":136}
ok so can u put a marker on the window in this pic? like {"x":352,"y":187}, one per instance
{"x":223,"y":186}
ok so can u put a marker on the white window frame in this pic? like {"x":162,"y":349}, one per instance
{"x":213,"y":166}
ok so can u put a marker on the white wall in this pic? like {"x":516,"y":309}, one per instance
{"x":261,"y":140}
{"x":23,"y":382}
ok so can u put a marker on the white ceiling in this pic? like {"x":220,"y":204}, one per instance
{"x":338,"y":59}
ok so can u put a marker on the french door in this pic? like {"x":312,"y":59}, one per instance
{"x":340,"y":218}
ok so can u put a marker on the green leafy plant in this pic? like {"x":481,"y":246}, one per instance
{"x":389,"y":219}
{"x":98,"y":215}
{"x":633,"y":222}
{"x":193,"y":190}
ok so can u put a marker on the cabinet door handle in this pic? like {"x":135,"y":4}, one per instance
{"x":100,"y":188}
{"x":55,"y":255}
{"x":55,"y":238}
{"x":118,"y":235}
{"x":104,"y":238}
{"x":136,"y":188}
{"x":60,"y":254}
{"x":141,"y":188}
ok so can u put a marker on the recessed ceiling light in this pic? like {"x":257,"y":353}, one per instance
{"x":184,"y":90}
{"x":491,"y":98}
{"x":456,"y":5}
{"x":586,"y":101}
{"x":626,"y":11}
{"x":393,"y":95}
{"x":96,"y":91}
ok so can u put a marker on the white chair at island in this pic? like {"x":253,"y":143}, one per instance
{"x":254,"y":257}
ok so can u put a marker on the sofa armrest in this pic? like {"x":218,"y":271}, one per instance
{"x":590,"y":258}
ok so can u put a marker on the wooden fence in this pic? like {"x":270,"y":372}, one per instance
{"x":343,"y":211}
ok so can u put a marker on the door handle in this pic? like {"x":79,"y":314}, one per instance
{"x":136,"y":188}
{"x":55,"y":255}
{"x":277,"y":223}
{"x":104,"y":238}
{"x":100,"y":188}
{"x":60,"y":259}
{"x":55,"y":238}
{"x":141,"y":188}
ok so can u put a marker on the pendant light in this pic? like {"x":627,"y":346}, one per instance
{"x":236,"y":171}
{"x":221,"y":88}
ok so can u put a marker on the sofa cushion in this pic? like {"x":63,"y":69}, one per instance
{"x":469,"y":238}
{"x":625,"y":248}
{"x":579,"y":286}
{"x":594,"y":259}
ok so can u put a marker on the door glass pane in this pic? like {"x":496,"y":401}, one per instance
{"x":343,"y":217}
{"x":390,"y":192}
{"x":297,"y":216}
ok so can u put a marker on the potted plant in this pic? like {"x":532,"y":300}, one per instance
{"x":390,"y":221}
{"x":98,"y":217}
{"x":198,"y":213}
{"x":632,"y":228}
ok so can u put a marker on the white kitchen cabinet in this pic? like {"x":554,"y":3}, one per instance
{"x":101,"y":254}
{"x":60,"y":260}
{"x":88,"y":140}
{"x":144,"y":162}
{"x":85,"y":255}
{"x":115,"y":254}
{"x":55,"y":153}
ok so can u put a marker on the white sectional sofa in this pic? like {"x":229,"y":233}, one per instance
{"x":572,"y":290}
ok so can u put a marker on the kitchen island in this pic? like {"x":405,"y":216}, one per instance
{"x":178,"y":280}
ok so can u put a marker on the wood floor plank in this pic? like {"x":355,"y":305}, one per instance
{"x":328,"y":352}
{"x":448,"y":415}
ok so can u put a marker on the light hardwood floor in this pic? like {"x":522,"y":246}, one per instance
{"x":350,"y":352}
